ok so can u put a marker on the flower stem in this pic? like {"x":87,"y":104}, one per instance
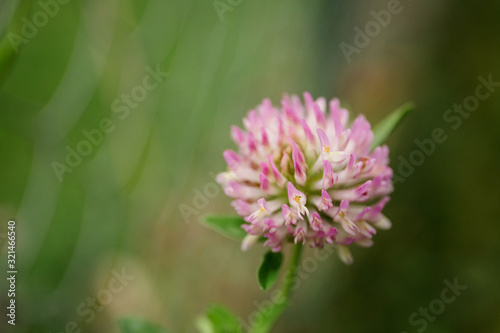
{"x":292,"y":271}
{"x":281,"y":303}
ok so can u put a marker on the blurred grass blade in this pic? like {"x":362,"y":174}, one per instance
{"x":8,"y":54}
{"x":269,"y":269}
{"x":229,"y":226}
{"x":384,"y":128}
{"x":217,"y":319}
{"x":138,"y":325}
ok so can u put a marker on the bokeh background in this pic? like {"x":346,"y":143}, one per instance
{"x":119,"y":207}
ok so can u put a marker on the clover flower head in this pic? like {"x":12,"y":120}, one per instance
{"x":303,"y":174}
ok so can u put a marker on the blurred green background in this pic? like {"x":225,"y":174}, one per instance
{"x":118,"y":209}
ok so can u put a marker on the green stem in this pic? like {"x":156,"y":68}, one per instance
{"x":292,"y":271}
{"x":281,"y":303}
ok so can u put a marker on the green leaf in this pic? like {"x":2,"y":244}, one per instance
{"x":204,"y":325}
{"x":229,"y":226}
{"x":218,"y":319}
{"x":138,"y":325}
{"x":269,"y":269}
{"x":389,"y":123}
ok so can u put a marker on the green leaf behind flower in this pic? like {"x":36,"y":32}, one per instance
{"x":384,"y":128}
{"x":229,"y":226}
{"x":138,"y":325}
{"x":218,"y":319}
{"x":269,"y":269}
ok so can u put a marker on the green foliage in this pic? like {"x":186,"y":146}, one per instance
{"x":384,"y":128}
{"x":269,"y":269}
{"x":229,"y":226}
{"x":218,"y":319}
